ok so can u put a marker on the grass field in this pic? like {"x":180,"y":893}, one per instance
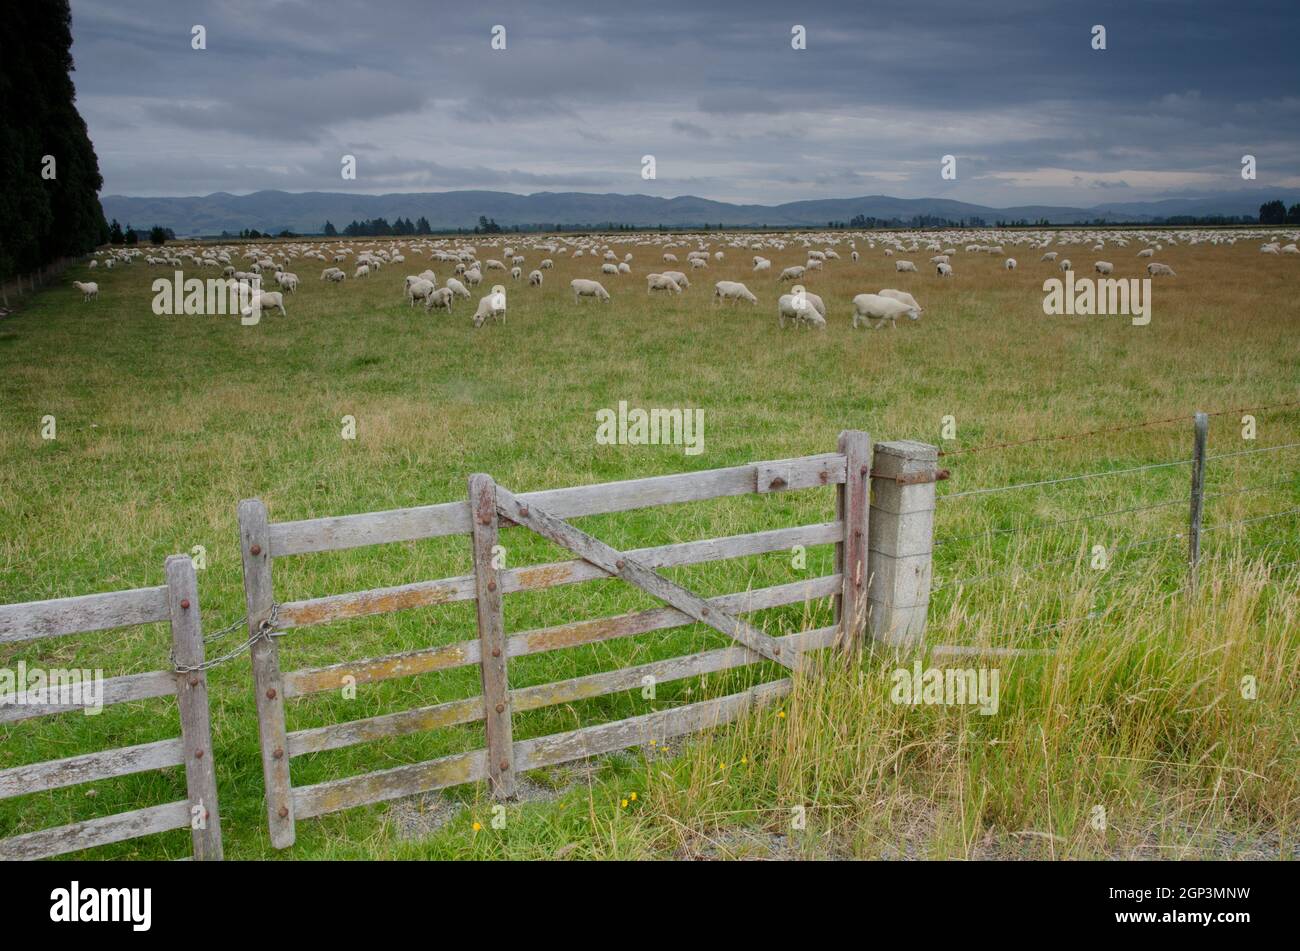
{"x":165,"y":423}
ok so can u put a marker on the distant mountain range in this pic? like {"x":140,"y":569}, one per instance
{"x":306,"y":212}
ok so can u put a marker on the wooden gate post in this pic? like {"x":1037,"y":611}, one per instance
{"x":901,"y":540}
{"x":485,"y":528}
{"x":852,"y":506}
{"x":192,"y":699}
{"x":268,"y":685}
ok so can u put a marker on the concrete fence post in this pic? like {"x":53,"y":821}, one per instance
{"x":900,"y":540}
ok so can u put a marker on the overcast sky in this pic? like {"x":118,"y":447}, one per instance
{"x":714,"y":91}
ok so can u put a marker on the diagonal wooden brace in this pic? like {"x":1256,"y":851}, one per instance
{"x":609,"y":559}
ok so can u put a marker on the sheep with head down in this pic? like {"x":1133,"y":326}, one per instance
{"x":585,"y":288}
{"x":801,"y":307}
{"x":492,"y":306}
{"x":869,"y":307}
{"x":661,"y":282}
{"x":732,"y":291}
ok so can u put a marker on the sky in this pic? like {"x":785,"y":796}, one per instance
{"x":715,"y":92}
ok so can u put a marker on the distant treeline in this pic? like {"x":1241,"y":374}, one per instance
{"x":49,"y":175}
{"x":1272,"y":213}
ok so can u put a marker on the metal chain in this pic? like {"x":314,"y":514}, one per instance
{"x":266,"y":630}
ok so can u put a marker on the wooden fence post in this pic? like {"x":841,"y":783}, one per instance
{"x":192,"y":699}
{"x":1198,"y":495}
{"x":900,"y":540}
{"x":852,"y":507}
{"x":268,"y":686}
{"x":485,"y":529}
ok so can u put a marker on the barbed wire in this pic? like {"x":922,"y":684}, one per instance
{"x":1073,"y":478}
{"x":1251,"y":452}
{"x":1250,"y":488}
{"x":1112,"y":429}
{"x":1038,"y":529}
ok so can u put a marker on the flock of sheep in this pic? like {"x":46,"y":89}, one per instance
{"x":467,"y":262}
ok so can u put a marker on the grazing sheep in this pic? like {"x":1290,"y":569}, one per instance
{"x":1009,"y":264}
{"x":492,"y":306}
{"x":907,"y":299}
{"x":516,"y":273}
{"x":868,"y":307}
{"x":940,"y":259}
{"x":363,"y":270}
{"x":944,"y":270}
{"x":93,"y":263}
{"x":473,"y":277}
{"x":624,"y":267}
{"x":1264,"y":249}
{"x":661,"y":282}
{"x":418,"y":289}
{"x":1103,"y":267}
{"x":1160,"y":270}
{"x":335,"y":276}
{"x":1146,"y":252}
{"x":324,"y":275}
{"x":265,"y":299}
{"x":698,"y":263}
{"x":800,"y":307}
{"x":457,"y":288}
{"x":670,"y":259}
{"x":791,"y":274}
{"x":89,"y":289}
{"x":901,"y":266}
{"x":1049,"y":256}
{"x":732,"y":291}
{"x":1065,"y":264}
{"x":1290,"y":249}
{"x":288,"y":281}
{"x":441,"y":297}
{"x":535,"y":278}
{"x":584,"y":288}
{"x":546,"y":264}
{"x":493,"y":265}
{"x":609,"y":269}
{"x":429,"y":276}
{"x":678,"y":278}
{"x":761,"y":264}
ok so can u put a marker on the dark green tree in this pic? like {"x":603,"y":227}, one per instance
{"x":1272,"y":213}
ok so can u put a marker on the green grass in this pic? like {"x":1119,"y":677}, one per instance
{"x":164,"y":423}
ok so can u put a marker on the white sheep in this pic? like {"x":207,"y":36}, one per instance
{"x":678,"y":278}
{"x":363,"y":270}
{"x":1065,"y":264}
{"x":335,"y":276}
{"x":732,"y":291}
{"x":546,"y":264}
{"x":440,"y":297}
{"x":670,"y":258}
{"x":418,"y":289}
{"x":265,"y":299}
{"x":609,"y":269}
{"x":1103,"y":267}
{"x":1049,"y":256}
{"x":907,"y":299}
{"x":492,"y":306}
{"x":801,"y":307}
{"x":473,"y":277}
{"x":457,"y":288}
{"x":661,"y":282}
{"x":535,"y":278}
{"x":901,"y":266}
{"x":1009,"y":264}
{"x":584,"y":288}
{"x":868,"y":307}
{"x":1146,"y":252}
{"x":89,"y":289}
{"x":1160,"y":270}
{"x":944,"y":270}
{"x":791,"y":274}
{"x":516,"y":273}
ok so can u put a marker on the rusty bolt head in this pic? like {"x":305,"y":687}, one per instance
{"x":198,"y":754}
{"x":496,"y":652}
{"x":492,"y":585}
{"x":501,"y":708}
{"x":505,"y":765}
{"x":705,"y":612}
{"x":194,"y":681}
{"x":278,"y":753}
{"x":284,"y":812}
{"x":523,"y":510}
{"x":185,"y":604}
{"x":270,"y":693}
{"x":255,"y":550}
{"x":620,"y":564}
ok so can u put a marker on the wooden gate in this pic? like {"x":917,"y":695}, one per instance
{"x":480,"y":517}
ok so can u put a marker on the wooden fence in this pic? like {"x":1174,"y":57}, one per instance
{"x":904,"y":475}
{"x":178,"y":603}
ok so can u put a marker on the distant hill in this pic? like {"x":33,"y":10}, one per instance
{"x":306,"y":212}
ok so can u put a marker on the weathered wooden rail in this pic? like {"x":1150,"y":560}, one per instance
{"x":905,"y":475}
{"x":176,"y":602}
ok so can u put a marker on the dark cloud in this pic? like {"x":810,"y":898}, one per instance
{"x":715,"y":92}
